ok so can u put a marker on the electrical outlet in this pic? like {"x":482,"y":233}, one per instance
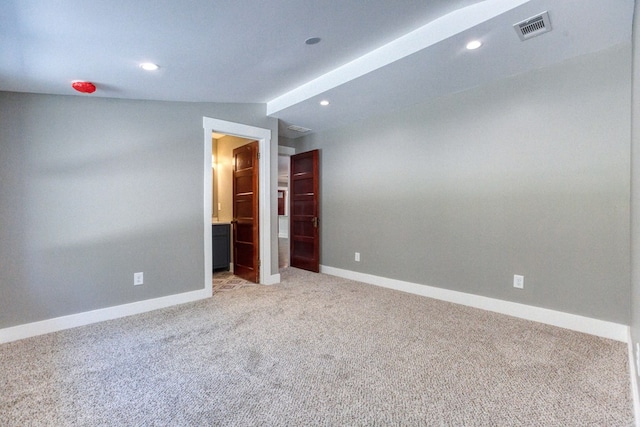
{"x":357,"y":256}
{"x":138,"y":279}
{"x":518,"y":281}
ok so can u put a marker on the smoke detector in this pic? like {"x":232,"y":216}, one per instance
{"x":533,"y":26}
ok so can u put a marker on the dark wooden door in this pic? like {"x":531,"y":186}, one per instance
{"x":246,"y":244}
{"x":304,"y":211}
{"x":281,"y":198}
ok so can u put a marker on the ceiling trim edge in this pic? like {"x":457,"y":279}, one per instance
{"x":415,"y":41}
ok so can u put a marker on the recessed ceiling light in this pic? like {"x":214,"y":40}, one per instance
{"x":474,"y":44}
{"x":313,"y":40}
{"x":324,"y":102}
{"x":149,"y":66}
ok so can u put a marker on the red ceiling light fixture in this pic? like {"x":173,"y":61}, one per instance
{"x":84,"y":87}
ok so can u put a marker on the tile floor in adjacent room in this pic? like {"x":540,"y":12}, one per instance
{"x":227,"y":281}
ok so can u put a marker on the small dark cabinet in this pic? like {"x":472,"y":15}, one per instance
{"x":221,"y":236}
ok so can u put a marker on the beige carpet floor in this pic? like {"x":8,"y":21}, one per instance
{"x":315,"y":350}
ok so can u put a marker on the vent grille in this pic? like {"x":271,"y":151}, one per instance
{"x":533,"y":26}
{"x":298,"y":129}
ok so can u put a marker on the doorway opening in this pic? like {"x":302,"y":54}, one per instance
{"x":263,"y":136}
{"x":284,"y":156}
{"x":234,"y":261}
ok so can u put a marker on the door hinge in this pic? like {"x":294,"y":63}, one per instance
{"x":258,"y":155}
{"x":259,"y":263}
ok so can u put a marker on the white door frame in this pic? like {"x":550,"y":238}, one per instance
{"x":263,"y":136}
{"x":285,"y":152}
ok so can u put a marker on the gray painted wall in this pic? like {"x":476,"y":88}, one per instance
{"x":93,"y":190}
{"x":635,"y":186}
{"x":287,"y":142}
{"x":529,"y":175}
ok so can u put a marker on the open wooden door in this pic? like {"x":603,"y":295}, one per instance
{"x":304,"y":211}
{"x":246,"y":232}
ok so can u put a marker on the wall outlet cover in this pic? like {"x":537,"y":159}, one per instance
{"x":518,"y":281}
{"x":138,"y":279}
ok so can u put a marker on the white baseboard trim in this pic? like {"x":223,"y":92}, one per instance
{"x":272,"y":279}
{"x":634,"y":381}
{"x":19,"y":332}
{"x":574,"y":322}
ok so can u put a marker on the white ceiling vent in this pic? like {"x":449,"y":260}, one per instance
{"x":533,"y":26}
{"x":298,"y":129}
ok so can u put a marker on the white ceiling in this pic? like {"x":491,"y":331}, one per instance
{"x":374,"y":56}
